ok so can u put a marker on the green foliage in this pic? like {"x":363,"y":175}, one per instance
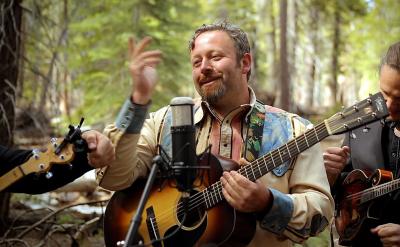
{"x":78,"y":49}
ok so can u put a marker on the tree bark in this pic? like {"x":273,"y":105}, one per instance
{"x":10,"y":23}
{"x":335,"y":53}
{"x":284,"y":66}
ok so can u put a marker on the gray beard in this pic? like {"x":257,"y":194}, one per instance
{"x":213,"y":97}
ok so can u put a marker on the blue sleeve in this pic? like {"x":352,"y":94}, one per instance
{"x":280,"y":213}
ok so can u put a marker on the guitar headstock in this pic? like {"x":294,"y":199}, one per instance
{"x":42,"y":159}
{"x":366,"y":111}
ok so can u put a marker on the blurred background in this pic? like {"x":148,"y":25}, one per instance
{"x":63,"y":60}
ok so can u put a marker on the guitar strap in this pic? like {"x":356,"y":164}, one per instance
{"x":256,"y":119}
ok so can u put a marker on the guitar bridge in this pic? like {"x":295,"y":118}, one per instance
{"x":152,"y":226}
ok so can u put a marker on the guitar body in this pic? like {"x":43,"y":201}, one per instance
{"x":355,"y":219}
{"x":220,"y":225}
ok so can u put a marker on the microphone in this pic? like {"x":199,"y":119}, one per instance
{"x":184,"y":158}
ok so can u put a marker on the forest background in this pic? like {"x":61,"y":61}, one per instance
{"x":63,"y":60}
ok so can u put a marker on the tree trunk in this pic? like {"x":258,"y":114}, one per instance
{"x":335,"y":53}
{"x":314,"y":20}
{"x":10,"y":23}
{"x":284,"y":66}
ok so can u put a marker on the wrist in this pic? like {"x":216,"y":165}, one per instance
{"x":139,"y":99}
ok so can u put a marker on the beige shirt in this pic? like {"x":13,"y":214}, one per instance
{"x":305,"y":183}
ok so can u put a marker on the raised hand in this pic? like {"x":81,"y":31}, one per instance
{"x":335,"y":159}
{"x":142,"y":67}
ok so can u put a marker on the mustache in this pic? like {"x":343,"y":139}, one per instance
{"x":205,"y":79}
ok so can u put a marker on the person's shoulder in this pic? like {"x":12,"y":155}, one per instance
{"x":280,"y":113}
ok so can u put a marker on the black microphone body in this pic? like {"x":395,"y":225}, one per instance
{"x":184,"y":158}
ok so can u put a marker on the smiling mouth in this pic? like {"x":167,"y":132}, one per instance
{"x":208,"y":80}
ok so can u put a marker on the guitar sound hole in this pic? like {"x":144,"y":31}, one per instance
{"x":190,"y":212}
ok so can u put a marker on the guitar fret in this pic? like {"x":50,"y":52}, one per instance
{"x":255,"y":178}
{"x":298,"y":149}
{"x":211,"y":195}
{"x":258,"y":166}
{"x":220,"y":192}
{"x":305,"y":138}
{"x":316,"y":135}
{"x":272,"y":158}
{"x":205,"y":198}
{"x":288,"y":151}
{"x":279,"y":151}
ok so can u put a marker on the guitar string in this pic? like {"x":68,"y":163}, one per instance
{"x":198,"y":199}
{"x":215,"y":193}
{"x":360,"y":194}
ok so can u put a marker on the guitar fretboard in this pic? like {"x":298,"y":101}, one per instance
{"x":261,"y":166}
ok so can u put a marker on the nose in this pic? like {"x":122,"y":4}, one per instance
{"x":392,"y":104}
{"x":205,"y":66}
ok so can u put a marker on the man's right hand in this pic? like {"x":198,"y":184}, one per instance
{"x":335,"y":159}
{"x":142,"y":67}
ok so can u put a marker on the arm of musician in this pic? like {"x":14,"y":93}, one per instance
{"x":102,"y":152}
{"x":335,"y":159}
{"x":307,"y":208}
{"x":135,"y":148}
{"x":388,"y":233}
{"x":10,"y":158}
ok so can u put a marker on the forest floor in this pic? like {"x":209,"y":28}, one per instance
{"x":49,"y":220}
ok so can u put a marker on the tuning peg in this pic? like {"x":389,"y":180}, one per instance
{"x":355,"y":108}
{"x":53,"y":141}
{"x":35,"y":153}
{"x":353,"y":136}
{"x":49,"y":175}
{"x":366,"y":129}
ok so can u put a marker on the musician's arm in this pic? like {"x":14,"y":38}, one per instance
{"x":308,"y":208}
{"x":39,"y":183}
{"x":135,"y":146}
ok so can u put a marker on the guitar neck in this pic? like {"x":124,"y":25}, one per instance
{"x":379,"y":190}
{"x":261,"y":166}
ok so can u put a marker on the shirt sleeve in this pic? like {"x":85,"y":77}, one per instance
{"x":135,"y":146}
{"x":307,"y":209}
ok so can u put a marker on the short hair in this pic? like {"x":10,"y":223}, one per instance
{"x":238,"y":36}
{"x":392,"y":57}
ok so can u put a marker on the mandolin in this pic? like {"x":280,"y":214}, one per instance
{"x":359,"y":204}
{"x":204,"y":217}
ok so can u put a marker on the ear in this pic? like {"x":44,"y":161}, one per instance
{"x":246,"y":63}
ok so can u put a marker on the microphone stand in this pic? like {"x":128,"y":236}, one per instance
{"x":137,"y":219}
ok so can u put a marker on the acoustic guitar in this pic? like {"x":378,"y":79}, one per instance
{"x":360,"y":204}
{"x":204,"y":217}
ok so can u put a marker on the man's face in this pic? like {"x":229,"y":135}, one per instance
{"x":389,"y":82}
{"x":215,"y":70}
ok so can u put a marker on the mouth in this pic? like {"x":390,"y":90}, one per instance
{"x":208,"y":80}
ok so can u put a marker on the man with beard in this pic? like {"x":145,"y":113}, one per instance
{"x":291,"y":203}
{"x":371,"y":148}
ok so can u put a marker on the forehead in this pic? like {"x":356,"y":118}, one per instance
{"x":214,"y":39}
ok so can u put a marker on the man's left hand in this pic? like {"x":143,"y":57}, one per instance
{"x":243,"y":194}
{"x":388,"y":233}
{"x":102,"y":151}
